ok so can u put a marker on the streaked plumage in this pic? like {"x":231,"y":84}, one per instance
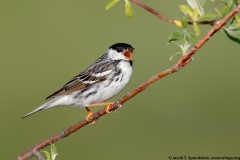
{"x":99,"y":82}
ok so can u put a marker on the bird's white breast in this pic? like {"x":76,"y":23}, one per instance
{"x":108,"y":88}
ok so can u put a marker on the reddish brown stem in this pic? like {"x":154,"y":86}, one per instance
{"x":162,"y":17}
{"x":151,"y":10}
{"x":181,"y":63}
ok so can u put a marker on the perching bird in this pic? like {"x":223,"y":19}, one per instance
{"x":102,"y":80}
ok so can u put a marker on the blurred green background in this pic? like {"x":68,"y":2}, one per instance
{"x":45,"y":43}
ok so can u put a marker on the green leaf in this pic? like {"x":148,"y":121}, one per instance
{"x":229,"y":2}
{"x":184,"y":22}
{"x":233,"y":30}
{"x":237,"y":18}
{"x":128,"y":9}
{"x":237,"y":40}
{"x":174,"y":55}
{"x":192,"y":3}
{"x":192,"y":37}
{"x":207,"y":16}
{"x":229,"y":6}
{"x":236,"y":2}
{"x":174,"y":36}
{"x":47,"y":155}
{"x":184,"y":47}
{"x":195,"y":14}
{"x":196,"y":29}
{"x":234,"y":27}
{"x":197,"y":4}
{"x":219,"y":13}
{"x":53,"y":151}
{"x":110,"y":4}
{"x":183,"y":37}
{"x":186,"y":10}
{"x":186,"y":36}
{"x":235,"y":34}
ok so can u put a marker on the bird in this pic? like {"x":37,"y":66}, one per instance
{"x":102,"y":80}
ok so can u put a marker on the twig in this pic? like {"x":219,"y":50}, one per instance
{"x":38,"y":155}
{"x":162,"y":17}
{"x":181,"y":63}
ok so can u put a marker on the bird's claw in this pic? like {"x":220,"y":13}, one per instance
{"x":108,"y":108}
{"x":90,"y":113}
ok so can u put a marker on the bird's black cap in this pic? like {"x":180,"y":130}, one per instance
{"x":119,"y":47}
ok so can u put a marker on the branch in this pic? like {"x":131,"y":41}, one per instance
{"x":38,"y":155}
{"x":162,"y":17}
{"x":181,"y":63}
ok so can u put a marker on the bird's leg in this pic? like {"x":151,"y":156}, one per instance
{"x":108,"y":104}
{"x":89,"y":114}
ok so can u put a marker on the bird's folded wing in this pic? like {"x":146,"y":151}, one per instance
{"x":94,"y":74}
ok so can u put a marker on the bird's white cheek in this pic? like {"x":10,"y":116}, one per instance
{"x":114,"y":55}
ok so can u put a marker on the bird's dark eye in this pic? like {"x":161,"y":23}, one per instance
{"x":119,"y":49}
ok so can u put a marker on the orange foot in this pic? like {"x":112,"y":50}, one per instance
{"x":89,"y":115}
{"x":108,"y":104}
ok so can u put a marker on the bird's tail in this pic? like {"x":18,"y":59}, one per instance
{"x":51,"y":103}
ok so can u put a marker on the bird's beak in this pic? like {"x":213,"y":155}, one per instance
{"x":128,"y":53}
